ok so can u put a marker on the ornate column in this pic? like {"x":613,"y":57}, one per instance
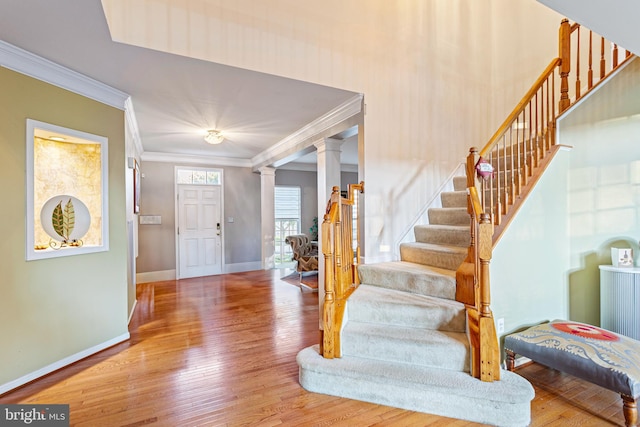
{"x":268,"y":220}
{"x":328,"y":151}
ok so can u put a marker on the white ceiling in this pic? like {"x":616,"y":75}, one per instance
{"x":175,"y":98}
{"x":615,"y":20}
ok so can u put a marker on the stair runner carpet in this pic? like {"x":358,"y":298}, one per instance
{"x":404,"y":342}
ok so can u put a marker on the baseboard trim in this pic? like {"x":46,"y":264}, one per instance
{"x":133,"y":310}
{"x":422,"y":217}
{"x":240,"y":267}
{"x":158,"y":276}
{"x":4,"y":388}
{"x":155,"y":276}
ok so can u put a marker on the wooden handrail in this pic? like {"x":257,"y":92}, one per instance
{"x":340,"y":264}
{"x":476,"y":206}
{"x":518,"y":109}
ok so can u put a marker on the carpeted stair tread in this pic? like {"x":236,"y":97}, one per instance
{"x":456,"y":235}
{"x":418,"y":388}
{"x":373,"y":304}
{"x":454,"y":199}
{"x":425,"y":347}
{"x":442,"y":256}
{"x":410,"y":277}
{"x":448,"y":216}
{"x":460,"y":183}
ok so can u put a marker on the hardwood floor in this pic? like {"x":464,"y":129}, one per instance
{"x":220,"y":351}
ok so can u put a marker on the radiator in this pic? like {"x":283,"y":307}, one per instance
{"x":620,"y":300}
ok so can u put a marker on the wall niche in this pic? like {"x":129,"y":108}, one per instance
{"x":67,"y":208}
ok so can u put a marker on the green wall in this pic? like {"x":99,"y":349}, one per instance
{"x":529,"y":265}
{"x":55,"y":308}
{"x":604,"y":185}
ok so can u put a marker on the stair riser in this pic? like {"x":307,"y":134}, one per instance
{"x":450,"y":216}
{"x":449,"y":261}
{"x":460,"y":183}
{"x":434,"y":235}
{"x":454,"y":199}
{"x":452,"y":355}
{"x":435,"y":285}
{"x":437,"y":402}
{"x":443,"y":318}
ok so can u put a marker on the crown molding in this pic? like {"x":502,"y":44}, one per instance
{"x":24,"y":62}
{"x":344,"y":111}
{"x":300,"y":167}
{"x":313,"y":167}
{"x":152,"y":156}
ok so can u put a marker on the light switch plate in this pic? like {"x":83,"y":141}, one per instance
{"x":150,"y":219}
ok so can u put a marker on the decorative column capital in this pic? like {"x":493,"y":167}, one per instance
{"x":329,"y":144}
{"x":267,"y":170}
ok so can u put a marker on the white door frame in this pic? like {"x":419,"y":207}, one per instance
{"x":176,"y":213}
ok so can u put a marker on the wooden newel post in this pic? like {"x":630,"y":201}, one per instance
{"x":485,"y":247}
{"x":489,"y":348}
{"x":328,"y":309}
{"x":564,"y":52}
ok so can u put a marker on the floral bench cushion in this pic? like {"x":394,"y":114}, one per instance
{"x":593,"y":354}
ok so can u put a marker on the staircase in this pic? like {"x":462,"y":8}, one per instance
{"x":404,"y":341}
{"x":419,"y":333}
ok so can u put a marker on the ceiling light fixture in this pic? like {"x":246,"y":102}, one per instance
{"x":214,"y":137}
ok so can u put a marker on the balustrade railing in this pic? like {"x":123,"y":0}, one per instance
{"x":528,"y":135}
{"x":341,"y":253}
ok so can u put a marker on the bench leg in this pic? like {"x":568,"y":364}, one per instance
{"x":511,"y":360}
{"x":630,"y":410}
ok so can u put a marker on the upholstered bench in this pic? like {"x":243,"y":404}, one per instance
{"x":590,"y":353}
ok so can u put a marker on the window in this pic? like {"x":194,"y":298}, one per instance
{"x":287,"y":216}
{"x":199,"y":176}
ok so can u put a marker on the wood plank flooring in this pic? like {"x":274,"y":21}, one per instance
{"x":220,"y":351}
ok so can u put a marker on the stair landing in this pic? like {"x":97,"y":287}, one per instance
{"x":417,"y":388}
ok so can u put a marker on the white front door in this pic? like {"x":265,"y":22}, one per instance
{"x":199,"y":230}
